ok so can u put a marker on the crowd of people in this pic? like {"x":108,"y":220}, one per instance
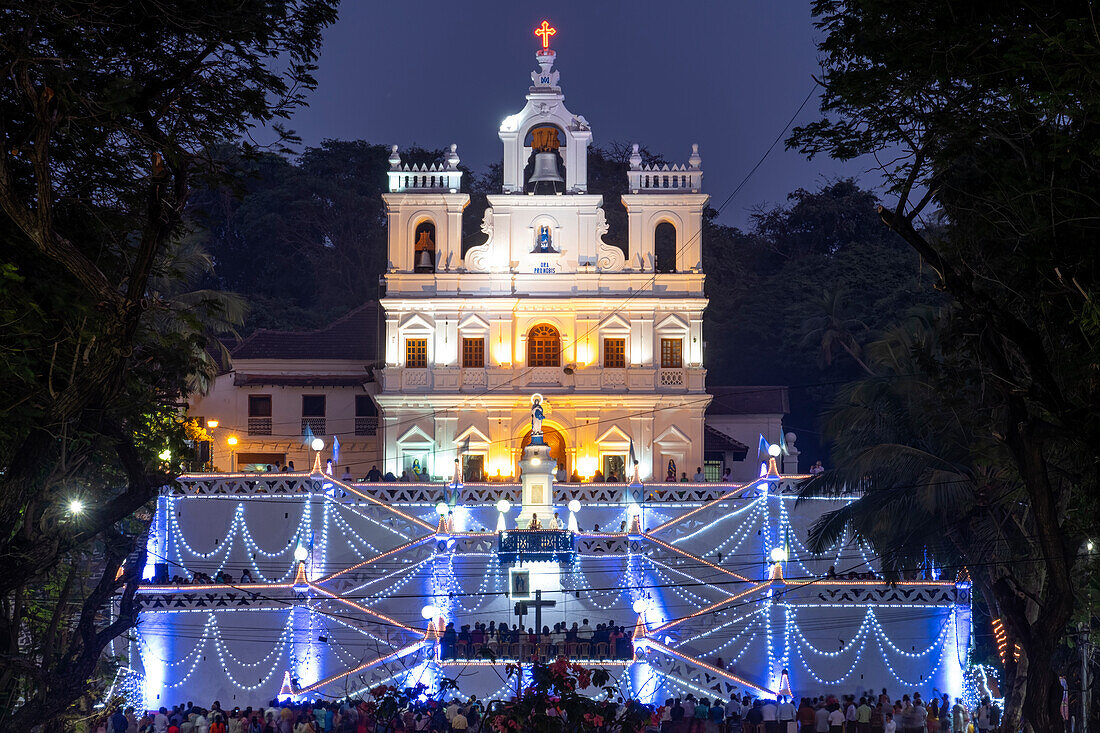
{"x":868,"y":713}
{"x":580,"y":641}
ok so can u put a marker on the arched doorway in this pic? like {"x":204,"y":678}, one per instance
{"x":552,"y":438}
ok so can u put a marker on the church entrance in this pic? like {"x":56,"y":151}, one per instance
{"x":552,"y":438}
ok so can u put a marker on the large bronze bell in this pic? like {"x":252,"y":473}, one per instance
{"x":545,"y":175}
{"x":424,"y":261}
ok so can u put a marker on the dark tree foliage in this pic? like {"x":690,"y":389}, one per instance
{"x":794,"y":300}
{"x":109,"y":113}
{"x":990,"y":113}
{"x":303,"y":239}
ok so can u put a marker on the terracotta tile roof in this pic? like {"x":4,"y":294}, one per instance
{"x":354,"y":337}
{"x":761,"y":400}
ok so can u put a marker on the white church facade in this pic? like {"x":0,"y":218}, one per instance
{"x":465,"y":336}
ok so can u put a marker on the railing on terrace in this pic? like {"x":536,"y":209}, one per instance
{"x":581,"y":650}
{"x":207,"y":484}
{"x":536,"y":544}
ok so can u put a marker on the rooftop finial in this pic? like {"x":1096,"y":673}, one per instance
{"x":395,"y":159}
{"x":452,"y":157}
{"x":695,"y":161}
{"x":545,"y":78}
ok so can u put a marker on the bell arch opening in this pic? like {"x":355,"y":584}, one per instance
{"x":424,"y":247}
{"x":664,"y":247}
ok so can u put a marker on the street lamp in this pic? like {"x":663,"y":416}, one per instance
{"x":76,"y":507}
{"x":231,"y":441}
{"x":211,"y":424}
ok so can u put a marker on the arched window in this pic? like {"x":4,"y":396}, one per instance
{"x":424,"y":247}
{"x":543,"y":346}
{"x":664,"y":247}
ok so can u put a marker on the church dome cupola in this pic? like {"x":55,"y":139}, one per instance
{"x":545,"y":145}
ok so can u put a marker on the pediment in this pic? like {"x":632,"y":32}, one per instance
{"x":672,"y":435}
{"x":613,"y":435}
{"x":672,"y":322}
{"x":415,"y":436}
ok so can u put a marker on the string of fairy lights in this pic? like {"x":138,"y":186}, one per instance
{"x":664,"y":586}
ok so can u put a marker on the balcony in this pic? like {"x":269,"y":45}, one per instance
{"x":544,"y":376}
{"x":670,"y":378}
{"x":553,"y":545}
{"x":259,"y":426}
{"x":315,"y":424}
{"x":474,"y":377}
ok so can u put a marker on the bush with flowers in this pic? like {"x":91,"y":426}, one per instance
{"x":553,"y":702}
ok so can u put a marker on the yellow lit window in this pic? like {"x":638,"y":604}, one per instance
{"x":473,"y":353}
{"x":543,"y":346}
{"x":416,"y":353}
{"x":672,"y":353}
{"x":614,"y":353}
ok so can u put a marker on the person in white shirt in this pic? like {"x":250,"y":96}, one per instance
{"x":785,"y":714}
{"x":769,"y":711}
{"x":850,"y":713}
{"x":890,"y":726}
{"x":160,"y":721}
{"x":555,"y":523}
{"x":451,"y":711}
{"x":836,"y":721}
{"x":821,"y":720}
{"x":699,"y":476}
{"x":584,"y":633}
{"x":733,"y":708}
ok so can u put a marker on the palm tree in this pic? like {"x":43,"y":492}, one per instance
{"x":831,"y":328}
{"x":933,"y":484}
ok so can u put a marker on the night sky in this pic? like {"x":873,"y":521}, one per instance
{"x":725,"y":74}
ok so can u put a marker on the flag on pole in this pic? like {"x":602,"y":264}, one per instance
{"x":762,"y":447}
{"x":633,"y":458}
{"x":782,"y":442}
{"x":335,"y":452}
{"x":307,"y":436}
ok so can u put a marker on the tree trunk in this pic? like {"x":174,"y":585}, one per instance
{"x":66,"y":675}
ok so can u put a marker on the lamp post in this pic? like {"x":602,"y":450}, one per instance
{"x":231,"y":441}
{"x":211,"y":425}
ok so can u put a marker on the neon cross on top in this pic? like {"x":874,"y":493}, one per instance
{"x":545,"y":30}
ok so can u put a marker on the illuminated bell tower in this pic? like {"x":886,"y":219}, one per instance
{"x":546,"y":107}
